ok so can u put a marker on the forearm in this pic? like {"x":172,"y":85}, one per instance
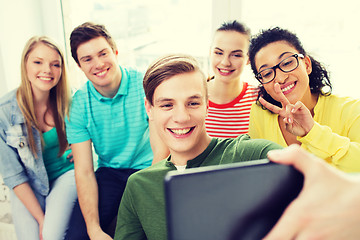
{"x":87,"y":187}
{"x":26,"y":195}
{"x":88,"y":199}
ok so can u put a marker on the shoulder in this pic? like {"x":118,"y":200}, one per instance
{"x":9,"y":105}
{"x":246,"y":139}
{"x":79,"y":104}
{"x":82,"y":92}
{"x":257,"y":112}
{"x":132,"y":73}
{"x":245,"y":142}
{"x":134,"y":82}
{"x":8,"y":98}
{"x":339,"y":100}
{"x":149,"y":175}
{"x":251,"y":88}
{"x":81,"y":97}
{"x":243,"y":148}
{"x":342,"y":105}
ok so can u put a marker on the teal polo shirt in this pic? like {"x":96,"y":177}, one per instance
{"x":118,"y":127}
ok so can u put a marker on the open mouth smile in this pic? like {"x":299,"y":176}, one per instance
{"x":102,"y":73}
{"x":181,"y":131}
{"x":225,"y":71}
{"x":288,"y":88}
{"x":45,"y":79}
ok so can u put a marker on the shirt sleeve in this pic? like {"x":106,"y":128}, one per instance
{"x":76,"y":130}
{"x":340,"y":151}
{"x":11,"y":170}
{"x":335,"y":135}
{"x":128,"y":225}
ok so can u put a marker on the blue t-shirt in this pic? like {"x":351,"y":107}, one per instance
{"x":118,"y":127}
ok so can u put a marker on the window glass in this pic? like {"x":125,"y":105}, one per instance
{"x":327,"y":29}
{"x":145,"y":30}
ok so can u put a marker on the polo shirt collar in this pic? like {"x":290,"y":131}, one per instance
{"x":197,"y":161}
{"x":122,"y":91}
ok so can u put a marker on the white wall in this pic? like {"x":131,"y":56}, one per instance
{"x":20,"y":20}
{"x":331,"y":34}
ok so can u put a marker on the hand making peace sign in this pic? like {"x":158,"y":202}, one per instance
{"x":297,"y":117}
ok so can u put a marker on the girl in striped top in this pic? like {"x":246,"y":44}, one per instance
{"x":230,"y":98}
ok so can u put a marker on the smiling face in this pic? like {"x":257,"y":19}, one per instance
{"x":228,"y":55}
{"x":179,"y":110}
{"x":98,"y":61}
{"x":43,"y":68}
{"x":294,"y":84}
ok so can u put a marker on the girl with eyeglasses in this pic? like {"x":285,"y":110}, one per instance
{"x":295,"y":104}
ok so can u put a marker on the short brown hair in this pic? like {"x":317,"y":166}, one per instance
{"x":167,"y":67}
{"x":85,"y":32}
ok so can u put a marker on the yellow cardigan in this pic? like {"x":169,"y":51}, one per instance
{"x":335,"y":136}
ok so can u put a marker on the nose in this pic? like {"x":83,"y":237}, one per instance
{"x":280,"y":76}
{"x":46,"y":68}
{"x":181,"y":114}
{"x":99,"y":63}
{"x":225,"y":61}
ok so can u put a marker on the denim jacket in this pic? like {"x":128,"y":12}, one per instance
{"x":17,"y":163}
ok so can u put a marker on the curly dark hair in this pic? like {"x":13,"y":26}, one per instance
{"x":319,"y":78}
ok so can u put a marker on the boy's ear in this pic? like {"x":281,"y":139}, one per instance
{"x":148,"y":107}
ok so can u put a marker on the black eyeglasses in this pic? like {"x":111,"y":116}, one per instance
{"x":287,"y":65}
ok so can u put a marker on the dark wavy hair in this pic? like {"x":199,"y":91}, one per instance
{"x":319,"y":80}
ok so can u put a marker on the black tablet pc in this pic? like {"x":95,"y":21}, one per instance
{"x":233,"y":201}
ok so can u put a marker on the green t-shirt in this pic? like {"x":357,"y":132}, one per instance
{"x":142,"y":208}
{"x":54,"y":165}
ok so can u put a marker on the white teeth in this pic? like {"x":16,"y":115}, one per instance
{"x":181,"y":131}
{"x":288,"y":87}
{"x":100,"y":74}
{"x":224,"y":71}
{"x":45,"y":78}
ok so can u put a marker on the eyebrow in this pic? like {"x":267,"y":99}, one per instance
{"x":197,"y":96}
{"x":87,"y":56}
{"x":164,"y":99}
{"x":160,"y":100}
{"x":239,"y":50}
{"x":42,"y":59}
{"x":37,"y":58}
{"x":280,"y":56}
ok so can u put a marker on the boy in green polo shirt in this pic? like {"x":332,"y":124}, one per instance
{"x":176,"y":103}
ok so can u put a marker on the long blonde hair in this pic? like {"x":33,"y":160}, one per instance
{"x":59,"y":96}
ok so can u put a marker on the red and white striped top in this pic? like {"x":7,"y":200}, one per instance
{"x":231,"y":119}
